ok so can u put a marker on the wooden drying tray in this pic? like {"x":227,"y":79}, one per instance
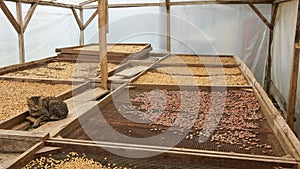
{"x":133,"y":68}
{"x":38,"y":63}
{"x":196,"y":61}
{"x":166,"y":157}
{"x":274,"y":117}
{"x":90,"y":50}
{"x":116,"y":120}
{"x":190,"y":77}
{"x":211,"y":66}
{"x":19,"y":122}
{"x":287,"y":145}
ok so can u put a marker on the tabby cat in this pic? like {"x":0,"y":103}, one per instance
{"x":46,"y":109}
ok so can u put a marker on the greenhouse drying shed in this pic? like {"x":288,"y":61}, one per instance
{"x":150,"y":84}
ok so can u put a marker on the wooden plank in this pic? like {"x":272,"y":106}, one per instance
{"x":131,"y":71}
{"x":22,"y":126}
{"x":78,"y":21}
{"x":47,"y":150}
{"x":11,"y":122}
{"x":24,"y":158}
{"x":293,"y":89}
{"x":294,"y":76}
{"x":29,"y":15}
{"x":54,"y":127}
{"x":23,"y":135}
{"x":213,"y":155}
{"x":260,"y":15}
{"x":31,"y":119}
{"x":21,"y":34}
{"x":90,"y":95}
{"x":10,"y":17}
{"x":102,"y":20}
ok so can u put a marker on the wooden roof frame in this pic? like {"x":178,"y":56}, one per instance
{"x":102,"y":10}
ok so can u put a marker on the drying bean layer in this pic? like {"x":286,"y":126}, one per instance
{"x":70,"y":161}
{"x":223,"y":117}
{"x":13,"y":95}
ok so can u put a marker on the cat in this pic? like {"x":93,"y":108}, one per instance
{"x":46,"y":109}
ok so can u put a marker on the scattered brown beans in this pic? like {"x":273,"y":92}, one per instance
{"x":13,"y":95}
{"x":63,"y":70}
{"x":164,"y":78}
{"x":239,"y":118}
{"x":204,"y":71}
{"x":71,"y":161}
{"x":115,"y":48}
{"x":188,"y":59}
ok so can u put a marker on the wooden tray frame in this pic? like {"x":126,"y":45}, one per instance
{"x":89,"y":54}
{"x":196,"y":64}
{"x":56,"y":145}
{"x":28,"y":65}
{"x":14,"y":121}
{"x":156,"y":65}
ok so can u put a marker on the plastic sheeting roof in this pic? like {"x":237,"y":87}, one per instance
{"x":77,"y":2}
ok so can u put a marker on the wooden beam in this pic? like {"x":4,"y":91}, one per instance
{"x":87,"y":2}
{"x":260,"y":15}
{"x":79,"y":23}
{"x":21,"y":34}
{"x":102,"y":5}
{"x":107,"y":15}
{"x":90,"y":19}
{"x":183,"y":3}
{"x":81,"y":40}
{"x":267,"y":82}
{"x":281,"y":1}
{"x":127,"y":5}
{"x":223,"y":2}
{"x":168,"y":15}
{"x":29,"y":15}
{"x":10,"y":17}
{"x":47,"y":3}
{"x":294,"y":76}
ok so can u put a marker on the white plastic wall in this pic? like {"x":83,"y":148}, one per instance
{"x":283,"y":43}
{"x":206,"y":29}
{"x":48,"y":29}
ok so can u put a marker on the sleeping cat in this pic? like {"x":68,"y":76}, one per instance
{"x":46,"y":109}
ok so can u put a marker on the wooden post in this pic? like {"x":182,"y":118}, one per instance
{"x":168,"y":12}
{"x":267,"y":81}
{"x":81,"y":40}
{"x":21,"y":33}
{"x":293,"y":88}
{"x":106,"y":18}
{"x":102,"y":15}
{"x":294,"y":75}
